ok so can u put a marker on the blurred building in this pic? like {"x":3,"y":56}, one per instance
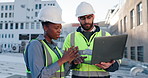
{"x":19,"y":23}
{"x":131,"y":17}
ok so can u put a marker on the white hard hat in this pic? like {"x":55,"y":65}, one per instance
{"x":51,"y":13}
{"x":84,"y":8}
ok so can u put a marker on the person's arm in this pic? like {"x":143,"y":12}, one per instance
{"x":36,"y":62}
{"x":113,"y":67}
{"x":109,"y":66}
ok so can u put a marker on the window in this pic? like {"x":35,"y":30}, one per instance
{"x":132,"y":18}
{"x":13,"y":7}
{"x":11,"y":25}
{"x":5,"y":15}
{"x":1,"y":26}
{"x":9,"y":36}
{"x":12,"y":35}
{"x":121,"y":26}
{"x":32,"y":25}
{"x":10,"y":7}
{"x":2,"y":8}
{"x":36,"y":6}
{"x":139,"y":13}
{"x":27,"y":17}
{"x":140,"y":55}
{"x":133,"y":53}
{"x":23,"y":36}
{"x":16,"y":25}
{"x":23,"y":6}
{"x":5,"y":35}
{"x":6,"y":26}
{"x":1,"y":15}
{"x":125,"y":52}
{"x":53,"y":4}
{"x":36,"y":14}
{"x":22,"y":26}
{"x":10,"y":15}
{"x":6,"y":7}
{"x":8,"y":45}
{"x":37,"y":25}
{"x":40,"y":6}
{"x":27,"y":26}
{"x":5,"y":46}
{"x":125,"y":23}
{"x":2,"y":35}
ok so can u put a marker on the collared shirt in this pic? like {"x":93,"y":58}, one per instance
{"x":36,"y":59}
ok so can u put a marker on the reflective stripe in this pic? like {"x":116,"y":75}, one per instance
{"x":81,"y":52}
{"x":57,"y":75}
{"x":90,"y":73}
{"x":46,"y":56}
{"x":72,"y":39}
{"x":87,"y":67}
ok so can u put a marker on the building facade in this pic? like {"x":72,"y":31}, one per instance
{"x":19,"y":23}
{"x":132,"y":19}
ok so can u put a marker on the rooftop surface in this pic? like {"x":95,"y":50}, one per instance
{"x":12,"y":66}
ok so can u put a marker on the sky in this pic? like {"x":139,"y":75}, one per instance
{"x":101,"y":8}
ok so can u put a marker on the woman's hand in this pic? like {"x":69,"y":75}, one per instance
{"x":79,"y":60}
{"x":69,"y":55}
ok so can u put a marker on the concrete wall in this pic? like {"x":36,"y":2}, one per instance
{"x":138,"y":35}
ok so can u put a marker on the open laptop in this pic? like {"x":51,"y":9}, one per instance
{"x":108,"y":48}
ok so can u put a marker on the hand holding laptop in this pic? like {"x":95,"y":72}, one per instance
{"x":105,"y":65}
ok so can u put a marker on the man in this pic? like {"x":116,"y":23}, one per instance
{"x":83,"y":38}
{"x":42,"y":57}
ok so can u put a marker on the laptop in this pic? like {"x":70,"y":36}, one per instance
{"x":108,"y":48}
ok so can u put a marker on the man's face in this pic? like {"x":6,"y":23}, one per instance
{"x":53,"y":31}
{"x":86,"y":21}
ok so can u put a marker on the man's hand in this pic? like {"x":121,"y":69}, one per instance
{"x":79,"y":60}
{"x":105,"y":65}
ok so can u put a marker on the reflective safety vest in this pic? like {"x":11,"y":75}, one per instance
{"x":50,"y":58}
{"x":85,"y":69}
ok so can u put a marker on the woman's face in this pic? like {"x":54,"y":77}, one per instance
{"x":53,"y":31}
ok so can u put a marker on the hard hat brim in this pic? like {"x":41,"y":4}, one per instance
{"x":59,"y":22}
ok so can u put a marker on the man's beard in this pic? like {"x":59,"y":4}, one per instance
{"x":87,"y":28}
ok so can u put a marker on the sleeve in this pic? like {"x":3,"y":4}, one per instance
{"x":36,"y":62}
{"x":113,"y":67}
{"x":66,"y":44}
